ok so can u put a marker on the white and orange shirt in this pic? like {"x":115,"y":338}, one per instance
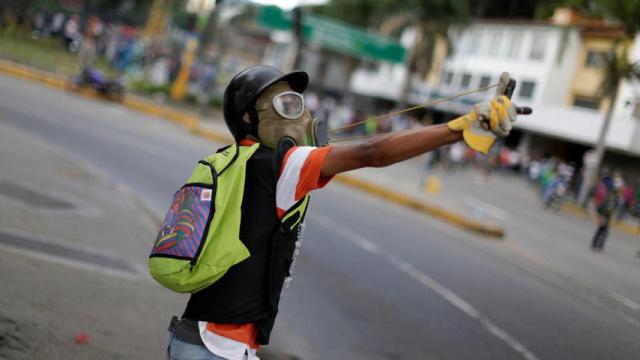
{"x":300,"y":174}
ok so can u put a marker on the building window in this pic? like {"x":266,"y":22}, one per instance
{"x":484,"y":81}
{"x":587,"y":102}
{"x":526,"y":89}
{"x":595,"y":59}
{"x":466,"y":80}
{"x":495,"y":41}
{"x":464,"y":41}
{"x":474,"y":44}
{"x":448,"y":78}
{"x":538,"y":47}
{"x":514,"y":46}
{"x":490,"y":43}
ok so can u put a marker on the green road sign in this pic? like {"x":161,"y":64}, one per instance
{"x":336,"y":35}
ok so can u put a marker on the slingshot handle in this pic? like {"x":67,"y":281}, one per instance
{"x":506,"y":86}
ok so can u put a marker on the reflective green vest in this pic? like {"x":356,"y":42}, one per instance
{"x":199,"y":238}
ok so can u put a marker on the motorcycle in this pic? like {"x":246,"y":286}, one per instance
{"x":95,"y":79}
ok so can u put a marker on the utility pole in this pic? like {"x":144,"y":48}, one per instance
{"x":208,"y":63}
{"x":197,"y":47}
{"x":209,"y":33}
{"x":611,"y":87}
{"x":591,"y":171}
{"x":295,"y":48}
{"x":407,"y":83}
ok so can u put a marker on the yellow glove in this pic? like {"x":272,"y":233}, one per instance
{"x":486,"y":121}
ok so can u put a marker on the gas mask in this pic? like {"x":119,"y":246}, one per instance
{"x":284,"y":120}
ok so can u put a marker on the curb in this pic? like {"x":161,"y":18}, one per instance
{"x":187,"y":120}
{"x":191,"y":123}
{"x":212,"y":134}
{"x":448,"y":216}
{"x":583,"y":213}
{"x":28,"y":73}
{"x":62,"y":83}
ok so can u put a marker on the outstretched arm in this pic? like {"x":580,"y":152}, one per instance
{"x":479,"y":129}
{"x":388,"y":149}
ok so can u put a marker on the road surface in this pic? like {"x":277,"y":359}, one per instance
{"x":373,"y":280}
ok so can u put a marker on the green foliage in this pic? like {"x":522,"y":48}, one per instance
{"x":147,"y":88}
{"x":544,"y":9}
{"x":46,"y":54}
{"x":216,"y":102}
{"x":627,"y":12}
{"x":133,"y":13}
{"x":617,"y":65}
{"x":371,"y":13}
{"x":435,"y":11}
{"x":618,"y":68}
{"x":368,"y":13}
{"x":364,"y":13}
{"x":190,"y":98}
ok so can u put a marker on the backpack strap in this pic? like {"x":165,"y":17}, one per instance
{"x":223,"y":160}
{"x":233,"y":159}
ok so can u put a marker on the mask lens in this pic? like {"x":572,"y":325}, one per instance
{"x":289,"y":105}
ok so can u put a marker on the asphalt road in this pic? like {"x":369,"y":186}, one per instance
{"x":373,"y":280}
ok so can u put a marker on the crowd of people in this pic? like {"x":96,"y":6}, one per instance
{"x":559,"y":181}
{"x":556,"y":180}
{"x":120,"y":45}
{"x":90,"y":37}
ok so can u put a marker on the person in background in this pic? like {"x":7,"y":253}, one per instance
{"x":626,"y":201}
{"x":606,"y":200}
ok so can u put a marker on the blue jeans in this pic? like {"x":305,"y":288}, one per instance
{"x":180,"y":350}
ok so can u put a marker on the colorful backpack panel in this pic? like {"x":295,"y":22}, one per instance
{"x":199,"y":239}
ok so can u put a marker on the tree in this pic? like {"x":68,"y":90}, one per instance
{"x":430,"y":20}
{"x":626,"y":12}
{"x":363,"y":13}
{"x":617,"y":68}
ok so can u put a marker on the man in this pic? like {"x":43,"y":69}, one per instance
{"x":233,"y":317}
{"x":606,"y":202}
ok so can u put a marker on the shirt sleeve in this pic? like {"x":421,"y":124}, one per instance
{"x":300,"y":174}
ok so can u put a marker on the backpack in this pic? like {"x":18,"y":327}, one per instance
{"x":199,"y":239}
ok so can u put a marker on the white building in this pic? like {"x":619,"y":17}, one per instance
{"x":543,"y":58}
{"x":552,"y":61}
{"x":627,"y":110}
{"x":382,"y":80}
